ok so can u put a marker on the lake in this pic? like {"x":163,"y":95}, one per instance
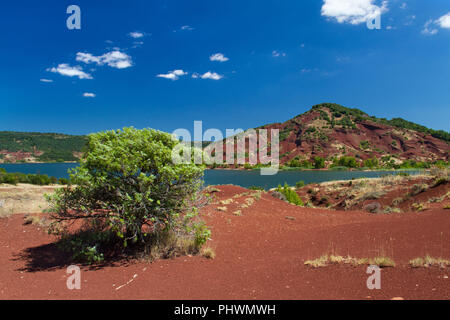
{"x":215,"y":177}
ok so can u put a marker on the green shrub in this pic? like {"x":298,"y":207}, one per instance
{"x":291,"y":195}
{"x":248,"y":166}
{"x":364,"y":144}
{"x":129,"y":186}
{"x":256,"y":188}
{"x":319,"y":162}
{"x":300,"y":184}
{"x":63,"y":181}
{"x":371,"y":163}
{"x":345,"y":161}
{"x":403,"y":174}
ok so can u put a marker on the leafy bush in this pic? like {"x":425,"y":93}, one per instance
{"x":412,"y":164}
{"x":371,"y":163}
{"x":319,"y":162}
{"x":128,"y":186}
{"x":403,"y":174}
{"x":63,"y":181}
{"x":256,"y":188}
{"x":300,"y":184}
{"x":297,"y":163}
{"x":364,"y":144}
{"x":248,"y":166}
{"x":17,"y":177}
{"x":346,"y":161}
{"x":291,"y":195}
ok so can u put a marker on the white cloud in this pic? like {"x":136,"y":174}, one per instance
{"x":185,"y":28}
{"x":136,"y":34}
{"x":444,"y":21}
{"x":218,"y":57}
{"x":89,"y":95}
{"x":137,"y":44}
{"x":188,"y":28}
{"x":114,"y":59}
{"x":46,"y":80}
{"x":431,"y":25}
{"x":211,"y":75}
{"x":277,"y":54}
{"x":66,"y":70}
{"x":429,"y":28}
{"x":172,"y":75}
{"x":352,"y":11}
{"x":403,"y":5}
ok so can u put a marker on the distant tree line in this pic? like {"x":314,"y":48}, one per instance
{"x":36,"y":179}
{"x":55,"y":147}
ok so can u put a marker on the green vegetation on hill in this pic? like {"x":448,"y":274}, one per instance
{"x":36,"y":179}
{"x":55,"y":147}
{"x":358,"y":116}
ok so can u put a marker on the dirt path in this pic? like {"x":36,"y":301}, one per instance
{"x":260,"y":255}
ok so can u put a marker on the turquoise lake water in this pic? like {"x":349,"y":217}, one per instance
{"x":216,"y":177}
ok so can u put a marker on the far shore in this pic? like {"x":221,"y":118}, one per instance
{"x":243,"y":169}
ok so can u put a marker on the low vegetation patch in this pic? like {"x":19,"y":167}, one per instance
{"x":326,"y":260}
{"x":290,"y":195}
{"x":35,"y":179}
{"x":208,"y":253}
{"x":429,"y":261}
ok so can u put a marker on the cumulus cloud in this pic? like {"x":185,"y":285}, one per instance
{"x":89,"y":95}
{"x":431,"y":26}
{"x":136,"y":34}
{"x":211,"y":75}
{"x":172,"y":75}
{"x":444,"y":21}
{"x":218,"y":57}
{"x":114,"y":59}
{"x":46,"y":80}
{"x":65,"y":69}
{"x":352,"y":11}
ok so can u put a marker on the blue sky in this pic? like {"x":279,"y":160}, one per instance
{"x":232,"y":64}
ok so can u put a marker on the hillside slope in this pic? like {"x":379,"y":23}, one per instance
{"x":330,"y":130}
{"x":40,"y":147}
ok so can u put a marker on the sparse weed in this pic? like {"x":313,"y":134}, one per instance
{"x":208,"y":253}
{"x":429,"y":261}
{"x":326,"y":260}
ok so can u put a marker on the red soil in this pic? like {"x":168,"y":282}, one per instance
{"x":260,"y":255}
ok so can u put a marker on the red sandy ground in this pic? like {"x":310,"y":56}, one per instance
{"x":260,"y":255}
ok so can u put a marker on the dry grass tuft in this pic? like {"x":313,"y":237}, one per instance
{"x":208,"y":253}
{"x":237,"y":213}
{"x":326,"y":260}
{"x":227,"y":201}
{"x":429,"y":261}
{"x":36,"y":220}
